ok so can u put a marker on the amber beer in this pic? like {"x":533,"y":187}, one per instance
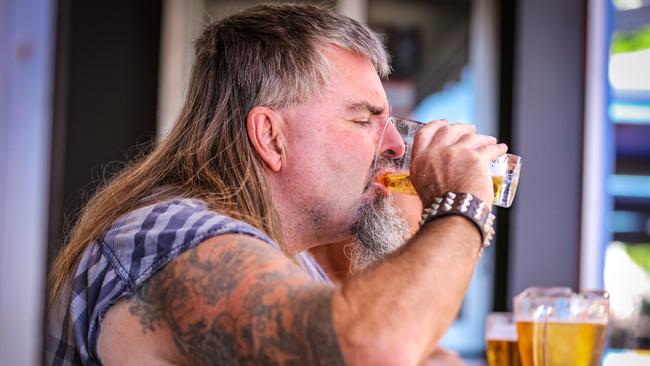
{"x":401,"y":182}
{"x":502,"y":352}
{"x":501,"y":340}
{"x":567,"y":343}
{"x":398,"y":182}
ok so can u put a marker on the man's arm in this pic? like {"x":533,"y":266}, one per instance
{"x":235,"y":300}
{"x":395,"y":312}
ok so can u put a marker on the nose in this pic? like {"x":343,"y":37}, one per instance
{"x":391,"y":145}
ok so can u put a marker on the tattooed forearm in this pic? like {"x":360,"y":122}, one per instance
{"x":232,"y":303}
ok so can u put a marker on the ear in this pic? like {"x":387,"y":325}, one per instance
{"x":264,"y":127}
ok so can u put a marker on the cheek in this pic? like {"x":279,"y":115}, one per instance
{"x":307,"y":161}
{"x":358,"y":154}
{"x":327,"y":157}
{"x":353,"y":158}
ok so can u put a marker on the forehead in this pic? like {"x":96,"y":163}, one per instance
{"x":353,"y":82}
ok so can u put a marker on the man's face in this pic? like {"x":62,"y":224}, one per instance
{"x":331,"y":144}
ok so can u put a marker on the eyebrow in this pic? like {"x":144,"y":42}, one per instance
{"x":364,"y":106}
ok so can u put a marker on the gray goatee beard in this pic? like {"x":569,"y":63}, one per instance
{"x":381,"y":229}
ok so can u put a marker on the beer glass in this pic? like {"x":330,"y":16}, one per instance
{"x":501,"y":340}
{"x":558,"y":327}
{"x":505,"y":169}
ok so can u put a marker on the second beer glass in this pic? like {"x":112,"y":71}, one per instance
{"x":557,"y":327}
{"x":501,"y":340}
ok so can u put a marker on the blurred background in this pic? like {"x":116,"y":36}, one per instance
{"x":87,"y":85}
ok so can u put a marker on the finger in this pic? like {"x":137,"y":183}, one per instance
{"x":448,"y":135}
{"x":475,"y":141}
{"x":493,"y":151}
{"x":425,"y":134}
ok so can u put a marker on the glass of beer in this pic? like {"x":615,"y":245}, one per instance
{"x":505,"y":169}
{"x":501,"y":340}
{"x":558,"y":327}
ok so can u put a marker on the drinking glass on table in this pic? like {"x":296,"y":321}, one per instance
{"x":558,"y":327}
{"x":501,"y":340}
{"x":505,"y":169}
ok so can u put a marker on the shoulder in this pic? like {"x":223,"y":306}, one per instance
{"x":177,"y":220}
{"x":144,"y":240}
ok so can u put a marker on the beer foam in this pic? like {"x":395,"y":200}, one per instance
{"x":554,"y":319}
{"x":499,"y":166}
{"x":502,"y":333}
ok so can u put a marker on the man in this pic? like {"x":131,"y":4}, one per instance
{"x":197,"y":254}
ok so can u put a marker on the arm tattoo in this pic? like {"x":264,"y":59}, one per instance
{"x":231,"y":304}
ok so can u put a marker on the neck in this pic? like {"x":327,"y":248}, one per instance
{"x":333,"y":260}
{"x":302,"y":227}
{"x":296,"y":228}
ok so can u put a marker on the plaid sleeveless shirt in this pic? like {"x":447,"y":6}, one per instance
{"x":132,"y":250}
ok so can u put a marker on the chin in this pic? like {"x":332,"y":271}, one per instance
{"x":373,"y":194}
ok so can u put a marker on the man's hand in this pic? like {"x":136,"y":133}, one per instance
{"x":453,"y":158}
